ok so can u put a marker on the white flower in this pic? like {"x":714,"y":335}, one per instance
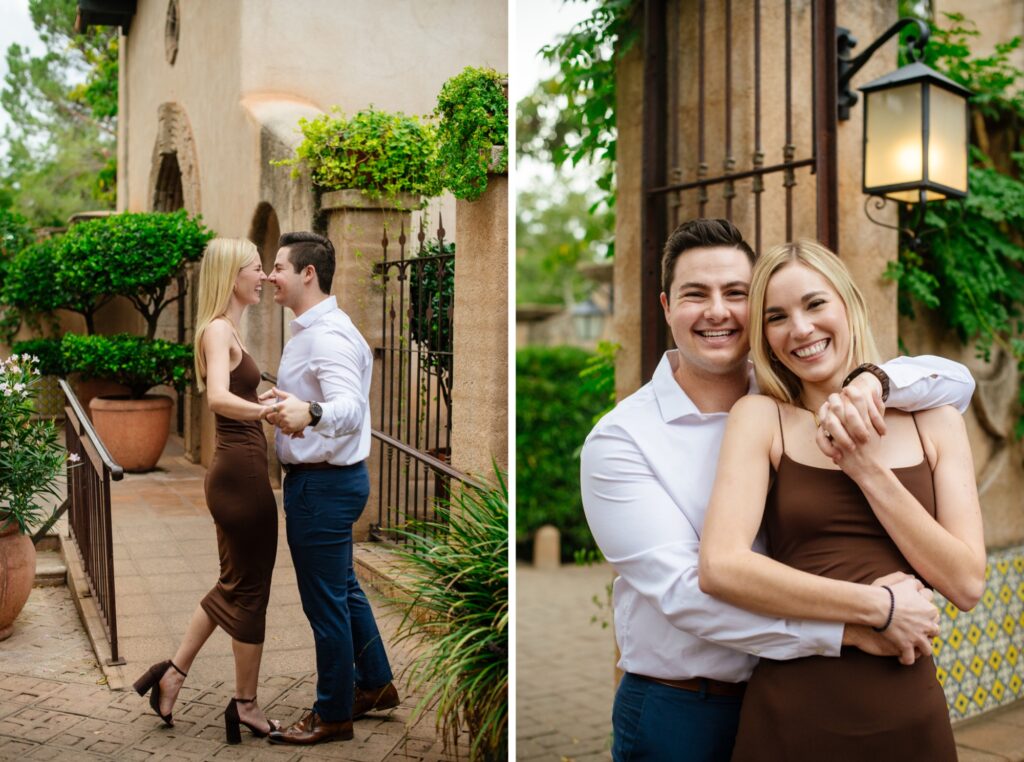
{"x":74,"y":457}
{"x":19,"y":387}
{"x":7,"y":392}
{"x":35,"y":359}
{"x":36,"y":371}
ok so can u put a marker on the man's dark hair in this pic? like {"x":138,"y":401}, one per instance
{"x":701,"y":233}
{"x":304,"y":249}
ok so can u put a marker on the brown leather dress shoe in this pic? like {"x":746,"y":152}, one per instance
{"x":366,"y":701}
{"x":311,"y":729}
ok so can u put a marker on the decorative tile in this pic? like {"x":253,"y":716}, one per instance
{"x":977,"y":653}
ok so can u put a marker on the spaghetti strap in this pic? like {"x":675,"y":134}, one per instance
{"x":778,"y":411}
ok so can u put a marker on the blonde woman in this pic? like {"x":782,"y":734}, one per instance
{"x":238,"y":492}
{"x":836,"y":516}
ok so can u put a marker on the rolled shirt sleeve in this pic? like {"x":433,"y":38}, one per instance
{"x":927,"y":381}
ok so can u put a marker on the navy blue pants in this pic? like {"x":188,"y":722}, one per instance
{"x":320,"y":508}
{"x":658,"y":723}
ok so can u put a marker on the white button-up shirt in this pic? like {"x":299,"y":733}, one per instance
{"x":647,"y":471}
{"x":328,"y":361}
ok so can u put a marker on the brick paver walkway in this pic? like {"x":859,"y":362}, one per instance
{"x":56,"y":703}
{"x":564,"y":664}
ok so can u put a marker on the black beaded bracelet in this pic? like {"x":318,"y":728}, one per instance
{"x":892,"y":610}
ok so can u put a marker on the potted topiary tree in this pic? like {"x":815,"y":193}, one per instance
{"x":134,"y":427}
{"x":31,"y":460}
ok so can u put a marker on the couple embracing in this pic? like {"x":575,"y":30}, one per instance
{"x":322,"y":419}
{"x":778,"y":526}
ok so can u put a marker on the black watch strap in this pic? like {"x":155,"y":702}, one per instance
{"x":875,"y":371}
{"x":315,"y":413}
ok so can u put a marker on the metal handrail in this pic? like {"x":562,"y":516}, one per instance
{"x":90,"y":522}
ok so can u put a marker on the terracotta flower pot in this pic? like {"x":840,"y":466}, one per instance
{"x":17,"y":573}
{"x":134,"y":431}
{"x":88,"y":388}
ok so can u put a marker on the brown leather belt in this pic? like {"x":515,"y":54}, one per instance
{"x":702,"y":685}
{"x":290,"y":467}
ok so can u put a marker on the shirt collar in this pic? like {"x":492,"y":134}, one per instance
{"x":672,"y":400}
{"x":314,"y":313}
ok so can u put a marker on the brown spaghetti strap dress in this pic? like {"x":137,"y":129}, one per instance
{"x":856,"y":707}
{"x":242,"y":503}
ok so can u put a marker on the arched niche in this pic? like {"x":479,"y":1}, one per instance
{"x":264,"y":322}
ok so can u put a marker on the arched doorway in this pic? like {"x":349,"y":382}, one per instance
{"x":264,"y":323}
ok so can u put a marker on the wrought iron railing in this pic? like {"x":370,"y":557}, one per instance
{"x":89,"y":511}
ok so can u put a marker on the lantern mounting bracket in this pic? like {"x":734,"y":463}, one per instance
{"x":914,"y":231}
{"x":847,"y":67}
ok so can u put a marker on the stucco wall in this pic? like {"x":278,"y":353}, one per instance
{"x":244,"y":74}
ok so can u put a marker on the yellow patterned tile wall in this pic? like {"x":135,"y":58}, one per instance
{"x":978,"y":654}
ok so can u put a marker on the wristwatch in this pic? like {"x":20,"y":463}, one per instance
{"x":315,"y":413}
{"x":875,"y":371}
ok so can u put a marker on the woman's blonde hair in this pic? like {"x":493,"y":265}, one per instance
{"x":773,"y":377}
{"x":223,"y":259}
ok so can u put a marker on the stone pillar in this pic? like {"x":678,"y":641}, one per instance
{"x":356,"y":226}
{"x":480,"y":344}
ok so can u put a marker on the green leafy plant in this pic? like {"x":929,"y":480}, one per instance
{"x":138,"y":363}
{"x":455,"y":597}
{"x":968,"y":273}
{"x":380,"y":153}
{"x":473,"y":112}
{"x":46,"y":353}
{"x":554,"y":414}
{"x":598,"y":375}
{"x":431,"y":304}
{"x":136,"y":256}
{"x":31,"y":456}
{"x":587,"y":57}
{"x":29,"y":290}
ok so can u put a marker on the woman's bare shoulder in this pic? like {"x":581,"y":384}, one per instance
{"x":754,"y":406}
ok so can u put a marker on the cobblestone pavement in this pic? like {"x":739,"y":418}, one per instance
{"x":56,"y":703}
{"x":565,"y":666}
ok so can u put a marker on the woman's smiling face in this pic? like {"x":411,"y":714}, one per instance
{"x":806,"y":325}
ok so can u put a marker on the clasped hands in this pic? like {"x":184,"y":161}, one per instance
{"x":286,"y":411}
{"x":851,"y":421}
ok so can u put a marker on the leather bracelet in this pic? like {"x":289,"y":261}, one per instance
{"x":875,"y":371}
{"x":892,"y":610}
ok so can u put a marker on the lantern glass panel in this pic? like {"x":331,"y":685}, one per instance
{"x":947,"y":139}
{"x":892,"y":150}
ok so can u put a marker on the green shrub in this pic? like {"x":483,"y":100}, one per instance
{"x":29,"y":288}
{"x":473,"y":110}
{"x":380,"y":153}
{"x":138,"y":363}
{"x":554,"y":414}
{"x":46,"y":355}
{"x":136,"y":256}
{"x":431,"y":304}
{"x":456,"y":599}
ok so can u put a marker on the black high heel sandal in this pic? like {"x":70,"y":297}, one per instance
{"x":232,"y":722}
{"x":150,"y":681}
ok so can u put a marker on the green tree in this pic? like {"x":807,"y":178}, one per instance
{"x":61,"y":141}
{"x":556,"y":229}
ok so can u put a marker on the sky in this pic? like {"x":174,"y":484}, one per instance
{"x":15,"y":26}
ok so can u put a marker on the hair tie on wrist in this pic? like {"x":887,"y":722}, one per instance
{"x":892,"y":610}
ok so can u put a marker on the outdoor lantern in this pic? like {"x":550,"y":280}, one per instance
{"x":915,"y":136}
{"x":587,"y":319}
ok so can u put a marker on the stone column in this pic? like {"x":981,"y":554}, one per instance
{"x":356,"y":226}
{"x":480,"y":344}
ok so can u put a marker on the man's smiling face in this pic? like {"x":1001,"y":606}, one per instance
{"x":707,"y":309}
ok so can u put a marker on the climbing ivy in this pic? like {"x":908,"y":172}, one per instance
{"x":969,"y":273}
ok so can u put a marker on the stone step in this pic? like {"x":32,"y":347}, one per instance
{"x":51,"y":571}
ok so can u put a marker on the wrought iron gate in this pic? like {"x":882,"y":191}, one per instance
{"x":724,"y":132}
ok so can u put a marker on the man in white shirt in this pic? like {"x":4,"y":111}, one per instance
{"x":322,"y":414}
{"x":647,"y":471}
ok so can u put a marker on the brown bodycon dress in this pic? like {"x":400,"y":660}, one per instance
{"x":242,"y":504}
{"x":856,"y":707}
